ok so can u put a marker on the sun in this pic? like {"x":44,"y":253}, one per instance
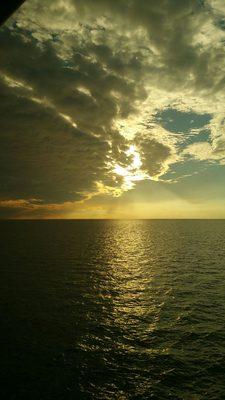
{"x":133,"y":172}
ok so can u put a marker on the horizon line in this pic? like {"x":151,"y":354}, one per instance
{"x":112,"y":219}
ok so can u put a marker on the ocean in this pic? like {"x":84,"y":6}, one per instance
{"x":100,"y":309}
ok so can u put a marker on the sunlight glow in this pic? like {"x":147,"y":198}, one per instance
{"x":15,"y":83}
{"x":133,"y":172}
{"x":68,"y":119}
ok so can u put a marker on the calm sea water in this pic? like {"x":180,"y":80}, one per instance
{"x":112,"y":310}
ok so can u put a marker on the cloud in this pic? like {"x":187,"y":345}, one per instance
{"x":47,"y":158}
{"x":201,"y":151}
{"x":155,"y":156}
{"x":83,"y":81}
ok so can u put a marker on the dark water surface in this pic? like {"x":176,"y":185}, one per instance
{"x":112,"y":310}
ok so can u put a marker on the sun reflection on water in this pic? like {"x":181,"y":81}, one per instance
{"x":131,"y":303}
{"x":131,"y":277}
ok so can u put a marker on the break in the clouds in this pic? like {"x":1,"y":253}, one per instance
{"x":97,"y":96}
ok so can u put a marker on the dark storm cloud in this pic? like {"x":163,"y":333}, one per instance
{"x":172,"y":54}
{"x":42,"y":156}
{"x":51,"y":77}
{"x":171,"y":27}
{"x":81,"y":88}
{"x":154,"y":155}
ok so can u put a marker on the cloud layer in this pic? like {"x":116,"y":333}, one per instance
{"x":97,"y":95}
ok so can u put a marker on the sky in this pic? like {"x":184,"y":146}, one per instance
{"x":113,"y":109}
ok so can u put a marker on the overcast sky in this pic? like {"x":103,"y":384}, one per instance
{"x":113,"y":109}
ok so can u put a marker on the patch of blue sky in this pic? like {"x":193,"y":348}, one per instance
{"x":208,"y":183}
{"x":202,"y":136}
{"x":181,"y":122}
{"x":181,"y":170}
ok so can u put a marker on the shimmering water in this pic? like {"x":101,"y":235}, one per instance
{"x":112,"y":310}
